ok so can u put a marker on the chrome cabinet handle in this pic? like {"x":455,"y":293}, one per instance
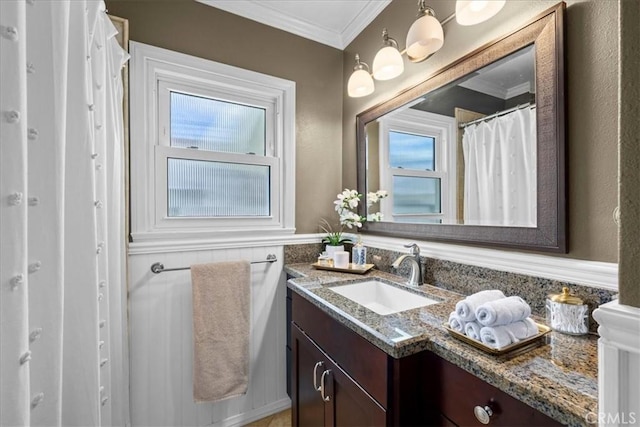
{"x":324,"y":374}
{"x":315,"y":375}
{"x":483,"y":414}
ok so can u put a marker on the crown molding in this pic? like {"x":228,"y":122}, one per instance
{"x":259,"y":12}
{"x":361,"y":21}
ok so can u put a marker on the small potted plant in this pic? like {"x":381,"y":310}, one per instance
{"x":333,"y":239}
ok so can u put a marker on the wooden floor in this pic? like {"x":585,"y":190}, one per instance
{"x":281,"y":419}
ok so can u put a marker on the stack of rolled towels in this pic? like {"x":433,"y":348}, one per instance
{"x":494,"y":319}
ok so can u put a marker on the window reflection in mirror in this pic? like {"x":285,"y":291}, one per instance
{"x":464,"y":153}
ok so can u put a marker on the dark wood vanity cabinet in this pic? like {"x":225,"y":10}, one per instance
{"x":363,"y":386}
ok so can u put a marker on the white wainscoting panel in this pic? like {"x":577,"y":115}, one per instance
{"x":160,"y":319}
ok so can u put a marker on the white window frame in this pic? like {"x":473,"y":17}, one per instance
{"x":442,"y":129}
{"x":155,"y":73}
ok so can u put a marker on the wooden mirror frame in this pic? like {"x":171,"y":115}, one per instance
{"x":546,"y":31}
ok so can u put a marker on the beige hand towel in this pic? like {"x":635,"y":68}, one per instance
{"x":221,"y":300}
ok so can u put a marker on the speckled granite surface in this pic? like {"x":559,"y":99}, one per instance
{"x":558,"y":378}
{"x":468,"y":279}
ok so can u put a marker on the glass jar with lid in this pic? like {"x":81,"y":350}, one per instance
{"x":567,"y":313}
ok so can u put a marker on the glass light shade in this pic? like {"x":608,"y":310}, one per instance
{"x":360,"y":84}
{"x":387,"y":63}
{"x":424,"y":38}
{"x":471,"y":12}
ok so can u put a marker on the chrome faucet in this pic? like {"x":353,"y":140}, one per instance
{"x":416,"y":267}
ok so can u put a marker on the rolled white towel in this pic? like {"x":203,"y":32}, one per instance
{"x":456,"y":323}
{"x":472,"y":330}
{"x":503,"y":335}
{"x":466,"y":308}
{"x":503,"y":312}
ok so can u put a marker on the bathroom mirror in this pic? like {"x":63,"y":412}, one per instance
{"x":475,"y":153}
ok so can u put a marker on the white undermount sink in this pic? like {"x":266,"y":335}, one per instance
{"x":381,"y":297}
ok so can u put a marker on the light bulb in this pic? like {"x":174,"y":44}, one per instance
{"x":360,"y":82}
{"x":387,"y":63}
{"x":425,"y":37}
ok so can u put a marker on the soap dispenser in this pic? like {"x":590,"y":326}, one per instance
{"x":359,"y":254}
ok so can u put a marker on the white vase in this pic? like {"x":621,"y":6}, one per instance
{"x":332,"y":249}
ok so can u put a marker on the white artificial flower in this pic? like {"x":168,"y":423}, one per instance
{"x":350,"y":219}
{"x":374,"y":217}
{"x":376,"y":197}
{"x":347,"y":202}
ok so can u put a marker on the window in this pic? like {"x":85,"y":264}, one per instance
{"x":416,"y":158}
{"x":221,"y":140}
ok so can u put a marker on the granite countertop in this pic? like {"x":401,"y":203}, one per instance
{"x":559,"y":378}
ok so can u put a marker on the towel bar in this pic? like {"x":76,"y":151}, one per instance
{"x":158,"y":267}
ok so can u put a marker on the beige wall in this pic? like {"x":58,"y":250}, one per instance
{"x":325,"y":122}
{"x":196,"y":29}
{"x":592,"y":59}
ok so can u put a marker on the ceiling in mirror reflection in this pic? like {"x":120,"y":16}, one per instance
{"x":496,"y":87}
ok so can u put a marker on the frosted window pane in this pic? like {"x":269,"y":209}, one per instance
{"x":212,"y":125}
{"x":216,"y":189}
{"x":408,"y":151}
{"x":413,"y":195}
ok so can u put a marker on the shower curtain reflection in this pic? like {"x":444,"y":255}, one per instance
{"x":500,"y":170}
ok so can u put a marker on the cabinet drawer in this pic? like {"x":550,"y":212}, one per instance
{"x":455,"y":393}
{"x":364,"y":362}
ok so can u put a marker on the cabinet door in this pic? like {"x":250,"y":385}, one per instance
{"x":308,"y":408}
{"x":351,"y":405}
{"x":342,"y":402}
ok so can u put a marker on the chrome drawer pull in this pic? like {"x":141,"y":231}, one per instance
{"x":315,"y":375}
{"x":483,"y":414}
{"x":325,"y":373}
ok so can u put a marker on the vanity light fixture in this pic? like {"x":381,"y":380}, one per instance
{"x":425,"y":36}
{"x":471,"y":12}
{"x":360,"y":83}
{"x":388,"y":62}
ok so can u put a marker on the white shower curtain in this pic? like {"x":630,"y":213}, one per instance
{"x":63,"y":292}
{"x":500,"y":170}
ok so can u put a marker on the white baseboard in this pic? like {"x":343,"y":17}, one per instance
{"x":256,"y":414}
{"x":597,"y":274}
{"x":618,"y":365}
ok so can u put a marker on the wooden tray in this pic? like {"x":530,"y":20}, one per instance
{"x":350,"y":269}
{"x":529,"y":343}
